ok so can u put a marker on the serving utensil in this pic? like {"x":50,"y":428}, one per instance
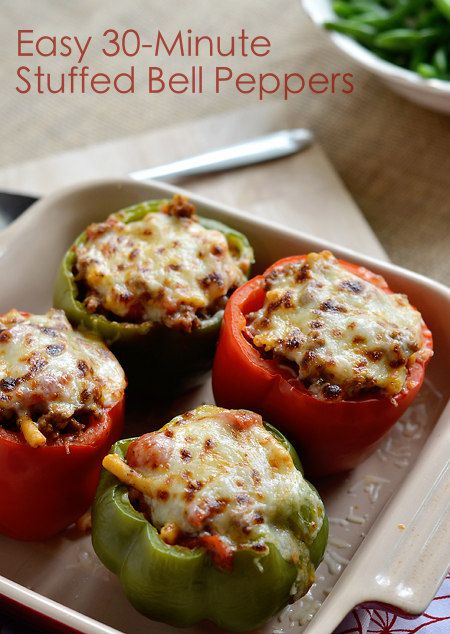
{"x":259,"y":150}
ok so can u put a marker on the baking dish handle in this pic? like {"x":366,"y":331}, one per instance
{"x":407,"y":566}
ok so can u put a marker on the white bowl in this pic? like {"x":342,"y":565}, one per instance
{"x":431,"y":93}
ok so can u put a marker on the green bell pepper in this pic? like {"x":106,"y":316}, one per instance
{"x":154,"y":356}
{"x":182,"y":586}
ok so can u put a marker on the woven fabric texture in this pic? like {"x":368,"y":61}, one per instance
{"x":392,"y":155}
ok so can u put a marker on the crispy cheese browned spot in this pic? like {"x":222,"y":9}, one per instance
{"x":166,"y":268}
{"x":343,"y":335}
{"x":239,"y":486}
{"x":52,"y":377}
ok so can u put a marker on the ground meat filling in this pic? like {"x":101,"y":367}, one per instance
{"x":53,"y":427}
{"x":342,"y":336}
{"x":219,"y":479}
{"x":53,"y":380}
{"x":166,"y":268}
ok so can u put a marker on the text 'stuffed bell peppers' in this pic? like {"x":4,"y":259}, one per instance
{"x":43,"y":490}
{"x":152,"y":354}
{"x":180,"y":585}
{"x":332,"y":436}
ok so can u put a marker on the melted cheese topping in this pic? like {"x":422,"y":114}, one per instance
{"x":217,"y":472}
{"x":165,"y":268}
{"x":344,"y":334}
{"x":49,"y":372}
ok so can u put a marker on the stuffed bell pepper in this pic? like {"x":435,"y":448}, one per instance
{"x":61,"y":408}
{"x":152,"y":281}
{"x":209,"y":518}
{"x":324,"y":350}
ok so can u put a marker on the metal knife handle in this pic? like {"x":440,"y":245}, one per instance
{"x":264,"y":148}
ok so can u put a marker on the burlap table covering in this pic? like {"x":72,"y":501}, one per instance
{"x":392,"y":155}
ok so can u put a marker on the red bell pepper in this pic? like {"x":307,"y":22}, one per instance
{"x":332,"y":436}
{"x":43,"y":490}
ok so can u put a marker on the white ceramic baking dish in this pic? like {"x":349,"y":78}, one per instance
{"x":389,"y":517}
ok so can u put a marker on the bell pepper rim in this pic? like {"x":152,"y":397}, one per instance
{"x":270,"y":366}
{"x":98,"y":322}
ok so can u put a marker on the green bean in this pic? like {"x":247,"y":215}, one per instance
{"x":440,"y":60}
{"x":444,"y":7}
{"x":430,"y":17}
{"x":427,"y":71}
{"x":397,"y":15}
{"x":361,"y":32}
{"x":370,"y":18}
{"x":343,"y":10}
{"x":408,"y":39}
{"x":418,"y":56}
{"x":363,"y":6}
{"x":414,"y":34}
{"x":347,"y":10}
